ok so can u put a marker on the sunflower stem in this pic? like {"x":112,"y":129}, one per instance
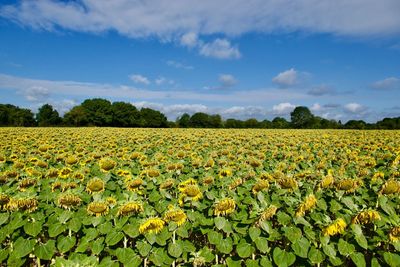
{"x":145,"y":262}
{"x":216,"y":258}
{"x":125,"y":242}
{"x":173,"y":237}
{"x":69,"y":232}
{"x":38,"y":262}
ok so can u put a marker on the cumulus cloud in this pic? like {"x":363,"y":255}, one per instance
{"x":283,"y":108}
{"x":286,"y":78}
{"x":137,"y":78}
{"x":227,"y":80}
{"x":354,"y":108}
{"x":162,"y":80}
{"x":189,"y":39}
{"x":387,"y":84}
{"x":35,"y":93}
{"x":167,"y":19}
{"x":179,"y":65}
{"x":221,"y":49}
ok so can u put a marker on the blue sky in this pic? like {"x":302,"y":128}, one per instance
{"x":244,"y":59}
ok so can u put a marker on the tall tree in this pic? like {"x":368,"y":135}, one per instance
{"x":301,"y":117}
{"x":98,"y":111}
{"x":47,"y":116}
{"x":183,"y":121}
{"x":76,"y":117}
{"x":124,"y":115}
{"x":152,"y":118}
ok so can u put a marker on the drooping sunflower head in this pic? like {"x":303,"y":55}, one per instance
{"x":97,"y":208}
{"x":71,"y":160}
{"x":130,"y":208}
{"x":4,"y":200}
{"x":107,"y":165}
{"x":176,"y":215}
{"x":309,"y":202}
{"x":2,"y":158}
{"x":237,"y":182}
{"x":268,"y":213}
{"x":183,"y":184}
{"x":224,"y":207}
{"x":26,"y":183}
{"x":55,"y":186}
{"x":52,"y":173}
{"x":348,"y":185}
{"x":151,"y":225}
{"x":327,"y":181}
{"x":68,"y":201}
{"x":394,"y":234}
{"x":65,"y":172}
{"x":95,"y":185}
{"x":288,"y":183}
{"x":337,"y":227}
{"x":391,"y":186}
{"x":209,"y":164}
{"x":70,"y":185}
{"x":42,"y":164}
{"x":27,"y":204}
{"x":260,"y":186}
{"x":111,"y":201}
{"x":193,"y":191}
{"x":167,"y":184}
{"x":153,"y":173}
{"x":208,"y":180}
{"x":134,"y":185}
{"x":366,"y":217}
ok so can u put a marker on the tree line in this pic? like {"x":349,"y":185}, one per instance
{"x":101,"y":112}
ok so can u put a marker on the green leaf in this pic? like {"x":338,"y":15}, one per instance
{"x":207,"y":254}
{"x":105,"y":228}
{"x":345,"y":248}
{"x":56,"y":229}
{"x":3,"y":254}
{"x":64,"y":216}
{"x":358,"y":259}
{"x":214,"y":237}
{"x":225,"y":246}
{"x":252,"y":263}
{"x":292,"y":233}
{"x":283,"y":218}
{"x":3,"y":218}
{"x":283,"y":258}
{"x":23,"y":247}
{"x":262,"y":244}
{"x":393,"y":260}
{"x":33,"y":228}
{"x":175,"y":250}
{"x":315,"y":256}
{"x":114,"y":237}
{"x":143,"y":248}
{"x":74,"y":224}
{"x":98,"y":245}
{"x":265,"y":262}
{"x":359,"y":236}
{"x":132,"y":230}
{"x":65,"y":243}
{"x":233,"y":263}
{"x":220,"y":222}
{"x":254,"y":233}
{"x":375,"y":263}
{"x":329,"y":250}
{"x":244,"y":250}
{"x":301,"y":247}
{"x":128,"y":256}
{"x":45,"y":251}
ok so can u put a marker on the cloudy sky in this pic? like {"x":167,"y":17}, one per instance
{"x":241,"y":59}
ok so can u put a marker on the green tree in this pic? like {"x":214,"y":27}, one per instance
{"x":47,"y":116}
{"x":183,"y":121}
{"x":152,"y":118}
{"x":251,"y":123}
{"x":98,"y":111}
{"x":215,"y":121}
{"x":301,"y":117}
{"x":280,"y":123}
{"x":124,"y":115}
{"x":199,"y":120}
{"x":77,"y":116}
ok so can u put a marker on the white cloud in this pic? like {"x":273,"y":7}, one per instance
{"x":227,"y":80}
{"x":283,"y":108}
{"x":189,"y":39}
{"x":321,"y":90}
{"x":179,"y":65}
{"x":162,"y":80}
{"x":354,"y":108}
{"x":137,"y":78}
{"x":287,"y":78}
{"x":35,"y":93}
{"x":220,"y":48}
{"x":167,"y":19}
{"x":387,"y":84}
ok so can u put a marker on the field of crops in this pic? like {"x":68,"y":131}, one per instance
{"x":184,"y":197}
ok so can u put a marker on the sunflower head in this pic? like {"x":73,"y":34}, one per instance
{"x":337,"y":227}
{"x":288,"y":183}
{"x":68,"y":201}
{"x":208,"y":180}
{"x":134,"y":185}
{"x":224,"y":207}
{"x":309,"y":202}
{"x":366,"y":217}
{"x":327,"y":181}
{"x":107,"y":165}
{"x":348,"y":185}
{"x":152,"y":225}
{"x":111,"y":201}
{"x":95,"y":185}
{"x":97,"y":208}
{"x":4,"y":200}
{"x":192,"y":191}
{"x":184,"y":184}
{"x":394,"y":234}
{"x":176,"y":215}
{"x":268,"y":213}
{"x":391,"y":186}
{"x":153,"y":173}
{"x":259,"y":186}
{"x":224,"y":173}
{"x":65,"y":172}
{"x":70,"y":185}
{"x":27,"y":204}
{"x":26,"y":183}
{"x":167,"y":184}
{"x":130,"y":208}
{"x":71,"y":160}
{"x":237,"y":182}
{"x":52,"y":173}
{"x":55,"y":186}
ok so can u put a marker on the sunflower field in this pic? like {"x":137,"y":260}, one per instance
{"x":195,"y":197}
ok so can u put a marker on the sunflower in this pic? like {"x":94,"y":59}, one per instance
{"x":153,"y":173}
{"x":70,"y":185}
{"x":55,"y":186}
{"x":309,"y":202}
{"x":111,"y":201}
{"x":42,"y":164}
{"x":327,"y":181}
{"x":237,"y":182}
{"x":366,"y":217}
{"x":337,"y":227}
{"x":107,"y":165}
{"x":68,"y":201}
{"x":259,"y":186}
{"x":71,"y":160}
{"x":224,"y":173}
{"x":193,"y":191}
{"x":224,"y":207}
{"x":25,"y":183}
{"x":268,"y":213}
{"x":27,"y":204}
{"x":391,"y":186}
{"x":134,"y":185}
{"x":348,"y":185}
{"x":152,"y":225}
{"x":288,"y":183}
{"x":183,"y":184}
{"x":4,"y":200}
{"x":2,"y":159}
{"x":130,"y":208}
{"x":167,"y":184}
{"x":97,"y":208}
{"x":209,"y":164}
{"x":208,"y":180}
{"x":95,"y":185}
{"x":52,"y":173}
{"x":65,"y":172}
{"x":394,"y":234}
{"x":176,"y":215}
